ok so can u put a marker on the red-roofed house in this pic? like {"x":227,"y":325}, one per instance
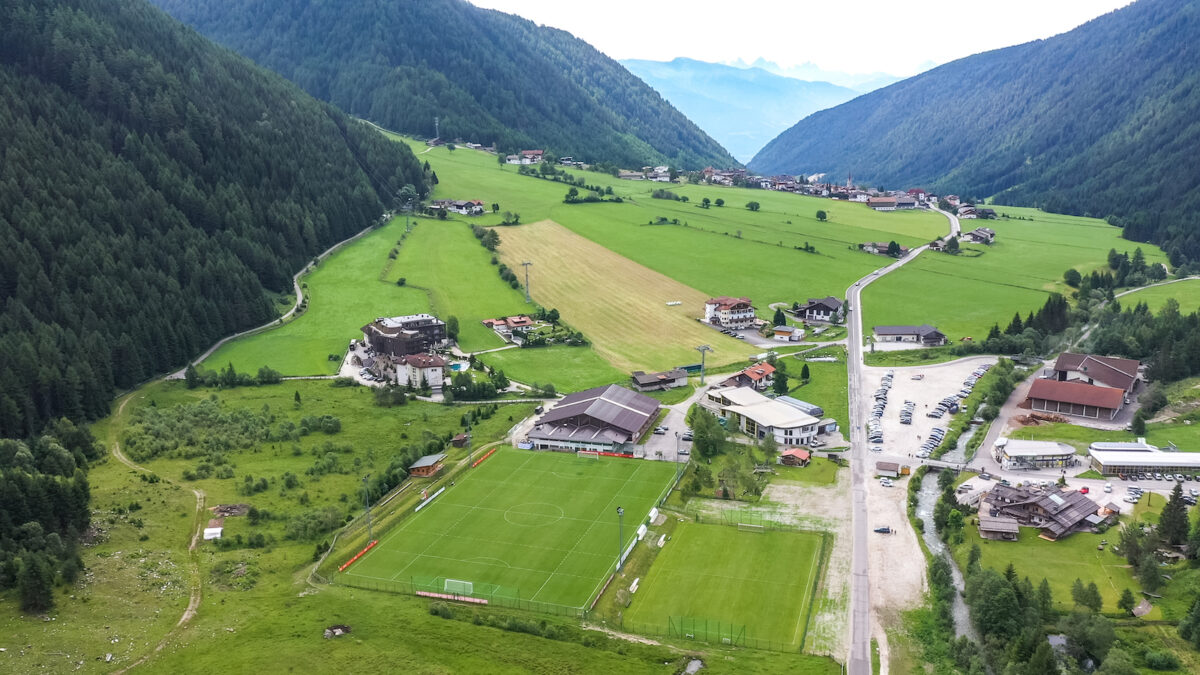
{"x":727,"y":312}
{"x":1077,"y":399}
{"x":795,"y":457}
{"x":758,"y":377}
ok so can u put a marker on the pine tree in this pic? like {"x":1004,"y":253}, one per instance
{"x":1127,"y":601}
{"x":1045,"y":598}
{"x":1077,"y":592}
{"x":1148,"y":574}
{"x":804,"y":374}
{"x":1092,"y":599}
{"x":780,"y":319}
{"x":1173,"y":521}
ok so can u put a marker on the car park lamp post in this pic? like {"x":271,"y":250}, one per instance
{"x":620,"y":534}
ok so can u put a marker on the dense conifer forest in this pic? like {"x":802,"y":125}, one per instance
{"x":1100,"y":121}
{"x":153,"y":188}
{"x":489,"y":76}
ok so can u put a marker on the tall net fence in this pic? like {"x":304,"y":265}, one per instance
{"x":459,"y":591}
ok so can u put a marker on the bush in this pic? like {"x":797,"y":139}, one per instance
{"x":1162,"y":661}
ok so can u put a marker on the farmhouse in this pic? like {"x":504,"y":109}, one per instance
{"x":413,"y":369}
{"x":608,"y":418}
{"x":795,"y":457}
{"x":427,"y":466}
{"x":401,"y":335}
{"x":1102,"y":371}
{"x":924,"y":334}
{"x":758,"y":377}
{"x":906,"y":203}
{"x":471,"y":207}
{"x":727,"y":312}
{"x":1014,"y":453}
{"x":882,"y":203}
{"x":756,"y":415}
{"x":1056,"y":512}
{"x":1077,"y":399}
{"x":828,"y":309}
{"x":659,"y":381}
{"x":504,"y":326}
{"x":631,"y":175}
{"x":881,"y":248}
{"x":980,"y":235}
{"x":1112,"y":459}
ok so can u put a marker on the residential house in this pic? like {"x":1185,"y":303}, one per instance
{"x":759,"y":377}
{"x":400,"y":335}
{"x":1056,"y":512}
{"x":506,"y":325}
{"x":924,"y":334}
{"x":980,"y":235}
{"x":609,"y":419}
{"x":881,"y":248}
{"x":906,"y":203}
{"x":413,"y":369}
{"x":828,"y":309}
{"x":466,"y":207}
{"x":882,"y":203}
{"x":727,"y":312}
{"x":795,"y":457}
{"x":858,"y":196}
{"x":669,"y":379}
{"x":788,"y":333}
{"x":427,"y":466}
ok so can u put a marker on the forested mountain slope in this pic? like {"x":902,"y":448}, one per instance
{"x":489,"y":76}
{"x":153,"y":187}
{"x":743,"y":108}
{"x":1103,"y":120}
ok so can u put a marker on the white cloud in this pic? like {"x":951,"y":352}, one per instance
{"x":901,"y":38}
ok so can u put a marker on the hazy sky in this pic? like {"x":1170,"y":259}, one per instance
{"x":900,"y":38}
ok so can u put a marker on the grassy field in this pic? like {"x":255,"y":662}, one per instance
{"x":345,"y":292}
{"x":820,"y":471}
{"x":567,"y":368}
{"x":524,"y":525}
{"x":1061,"y":562}
{"x":762,"y":581}
{"x":619,"y":305}
{"x":964,"y":295}
{"x":1186,"y":293}
{"x":826,"y":384}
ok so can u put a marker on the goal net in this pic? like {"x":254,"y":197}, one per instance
{"x":459,"y":587}
{"x":746,"y":527}
{"x":593,"y":454}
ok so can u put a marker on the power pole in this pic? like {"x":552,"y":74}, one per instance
{"x":702,"y":349}
{"x":469,"y":444}
{"x":526,"y":265}
{"x":437,"y":133}
{"x":367,"y":504}
{"x":620,"y":534}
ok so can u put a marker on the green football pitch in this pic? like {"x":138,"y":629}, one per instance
{"x":539,"y":527}
{"x":720,"y":580}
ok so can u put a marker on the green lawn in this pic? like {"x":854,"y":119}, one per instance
{"x":1186,"y":293}
{"x":345,"y":293}
{"x":826,"y":385}
{"x":964,"y":295}
{"x":716,"y":573}
{"x":820,"y":471}
{"x":1061,"y":562}
{"x":910,"y":357}
{"x":537,"y":527}
{"x":567,"y":368}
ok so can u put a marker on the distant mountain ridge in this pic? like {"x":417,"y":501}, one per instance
{"x":1103,"y":120}
{"x":488,"y":76}
{"x":811,"y":72}
{"x":743,"y":108}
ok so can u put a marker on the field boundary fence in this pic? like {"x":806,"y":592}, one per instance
{"x":708,"y":631}
{"x":436,"y":589}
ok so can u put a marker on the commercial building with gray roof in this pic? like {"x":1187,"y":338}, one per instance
{"x":610,"y":419}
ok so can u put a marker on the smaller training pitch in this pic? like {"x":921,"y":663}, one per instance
{"x":717,"y":573}
{"x":539,"y":527}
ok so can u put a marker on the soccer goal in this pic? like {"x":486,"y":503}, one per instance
{"x":588,"y":454}
{"x":459,"y":587}
{"x":747,"y":527}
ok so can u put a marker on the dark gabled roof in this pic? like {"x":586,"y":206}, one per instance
{"x":654,"y":378}
{"x":829,"y":302}
{"x":1079,"y":393}
{"x":428,"y":460}
{"x":1112,"y":371}
{"x":923,"y":330}
{"x":612,"y":405}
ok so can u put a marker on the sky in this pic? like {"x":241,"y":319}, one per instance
{"x":867,"y":36}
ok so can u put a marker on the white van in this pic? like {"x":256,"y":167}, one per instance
{"x":1108,"y":487}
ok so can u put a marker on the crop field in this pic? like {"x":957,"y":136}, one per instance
{"x":345,"y":292}
{"x":1061,"y":562}
{"x":619,"y":305}
{"x":1185,"y":292}
{"x":964,"y":295}
{"x":539,"y":527}
{"x":761,"y":580}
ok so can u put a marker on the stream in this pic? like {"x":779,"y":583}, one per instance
{"x":926,"y":499}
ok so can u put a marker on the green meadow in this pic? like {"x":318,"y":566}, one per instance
{"x":963,"y":295}
{"x":1186,"y":292}
{"x":567,"y":368}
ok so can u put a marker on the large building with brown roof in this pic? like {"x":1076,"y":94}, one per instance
{"x":1077,"y":399}
{"x":401,"y":335}
{"x":727,"y":312}
{"x":1101,"y":371}
{"x":1056,"y":512}
{"x":609,"y":418}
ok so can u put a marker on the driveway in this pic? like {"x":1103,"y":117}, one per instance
{"x":666,"y":447}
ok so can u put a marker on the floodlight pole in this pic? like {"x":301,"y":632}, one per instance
{"x":526,"y":265}
{"x":702,"y":349}
{"x":470,"y":450}
{"x":620,"y":534}
{"x":367,"y":503}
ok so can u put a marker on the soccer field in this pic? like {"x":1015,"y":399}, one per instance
{"x":538,"y":527}
{"x":717,"y":573}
